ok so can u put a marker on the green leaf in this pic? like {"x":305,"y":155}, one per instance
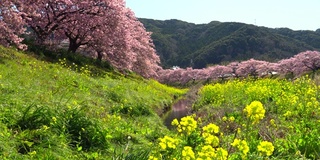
{"x":29,"y":144}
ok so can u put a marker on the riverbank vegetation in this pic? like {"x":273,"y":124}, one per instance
{"x":65,"y":110}
{"x":249,"y":119}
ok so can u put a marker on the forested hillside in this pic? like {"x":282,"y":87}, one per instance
{"x":199,"y":45}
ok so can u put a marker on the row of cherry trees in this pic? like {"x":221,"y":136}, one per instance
{"x":107,"y":27}
{"x":301,"y":63}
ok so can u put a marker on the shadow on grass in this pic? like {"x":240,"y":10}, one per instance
{"x":96,"y":67}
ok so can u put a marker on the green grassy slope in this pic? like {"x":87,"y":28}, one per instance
{"x":60,"y":111}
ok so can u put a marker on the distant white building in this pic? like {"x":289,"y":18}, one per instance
{"x":272,"y":73}
{"x":175,"y":67}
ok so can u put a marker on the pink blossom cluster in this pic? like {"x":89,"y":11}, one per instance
{"x":308,"y":61}
{"x":11,"y":25}
{"x":106,"y":27}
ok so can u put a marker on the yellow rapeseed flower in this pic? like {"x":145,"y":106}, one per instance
{"x":33,"y":153}
{"x":273,"y":123}
{"x":175,"y":122}
{"x":168,"y":142}
{"x":187,"y":153}
{"x":266,"y":148}
{"x":255,"y":111}
{"x":224,"y":118}
{"x":238,"y":130}
{"x":211,"y":128}
{"x":187,"y":125}
{"x":210,"y":139}
{"x":222,"y":154}
{"x":242,"y":146}
{"x":45,"y":127}
{"x":287,"y":114}
{"x":231,"y":119}
{"x":207,"y":152}
{"x":152,"y":158}
{"x":235,"y":142}
{"x":54,"y":119}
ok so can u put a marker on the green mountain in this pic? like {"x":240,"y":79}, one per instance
{"x":199,"y":45}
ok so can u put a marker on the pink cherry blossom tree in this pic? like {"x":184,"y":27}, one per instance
{"x":128,"y":46}
{"x":183,"y":76}
{"x":106,"y":27}
{"x":170,"y":76}
{"x":11,"y":25}
{"x":268,"y":69}
{"x":308,"y":60}
{"x":234,"y":67}
{"x":45,"y":17}
{"x":249,"y":68}
{"x":220,"y":71}
{"x":201,"y":74}
{"x":141,"y":48}
{"x":95,"y":24}
{"x":289,"y":67}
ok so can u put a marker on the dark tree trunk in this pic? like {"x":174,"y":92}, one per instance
{"x":73,"y":45}
{"x":100,"y":55}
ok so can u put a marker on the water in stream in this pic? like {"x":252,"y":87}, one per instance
{"x":179,"y":109}
{"x":183,"y":107}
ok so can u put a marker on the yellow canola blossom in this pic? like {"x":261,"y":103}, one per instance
{"x":273,"y":123}
{"x":242,"y":146}
{"x":224,"y":118}
{"x":167,"y":142}
{"x":231,"y":119}
{"x":287,"y":114}
{"x":210,"y":139}
{"x":152,"y":158}
{"x":207,"y":152}
{"x":175,"y":122}
{"x":266,"y":148}
{"x":187,"y":153}
{"x":222,"y":154}
{"x":54,"y":119}
{"x":187,"y":125}
{"x":255,"y":111}
{"x":211,"y":128}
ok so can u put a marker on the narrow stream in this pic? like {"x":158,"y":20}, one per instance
{"x":179,"y":109}
{"x":182,"y":107}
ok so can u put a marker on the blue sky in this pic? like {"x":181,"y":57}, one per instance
{"x":293,"y":14}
